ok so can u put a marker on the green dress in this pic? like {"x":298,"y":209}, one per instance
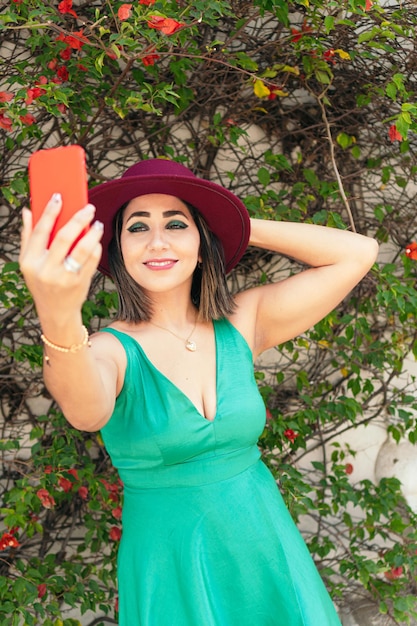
{"x":206,"y":539}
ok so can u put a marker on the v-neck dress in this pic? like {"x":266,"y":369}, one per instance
{"x":206,"y":537}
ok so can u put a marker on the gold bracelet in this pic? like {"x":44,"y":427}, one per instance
{"x":73,"y":349}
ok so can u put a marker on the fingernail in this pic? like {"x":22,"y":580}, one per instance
{"x":98,"y":225}
{"x":56,"y":197}
{"x":88,"y":211}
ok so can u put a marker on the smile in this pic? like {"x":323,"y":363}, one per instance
{"x":166,"y":264}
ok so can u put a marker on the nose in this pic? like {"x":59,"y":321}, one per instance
{"x":157,"y":239}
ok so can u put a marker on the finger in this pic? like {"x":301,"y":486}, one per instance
{"x":68,"y":234}
{"x":26,"y":230}
{"x":42,"y":230}
{"x":85,"y":251}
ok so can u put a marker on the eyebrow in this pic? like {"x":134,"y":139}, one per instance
{"x":164,"y":214}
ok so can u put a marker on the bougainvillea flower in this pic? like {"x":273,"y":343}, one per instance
{"x":348,"y":468}
{"x":269,"y":415}
{"x":393,"y":133}
{"x":66,"y":53}
{"x":62,"y":73}
{"x":41,"y":590}
{"x":147,"y":2}
{"x":33,"y":93}
{"x":45,"y":497}
{"x":66,"y":7}
{"x":5,"y":96}
{"x":75,"y":41}
{"x":394,"y":572}
{"x":83,"y":492}
{"x":27,"y":119}
{"x":7,"y":540}
{"x":124,"y":12}
{"x":166,"y":25}
{"x":150,"y":59}
{"x":65,"y":484}
{"x":368,"y":5}
{"x":290,"y":435}
{"x":115,"y":533}
{"x":117,"y":512}
{"x":411,"y":251}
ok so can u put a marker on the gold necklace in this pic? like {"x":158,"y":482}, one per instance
{"x":189,"y":343}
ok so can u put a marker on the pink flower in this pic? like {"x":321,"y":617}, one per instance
{"x":147,"y":2}
{"x":117,"y":512}
{"x":65,"y":484}
{"x":349,"y":468}
{"x":62,"y":73}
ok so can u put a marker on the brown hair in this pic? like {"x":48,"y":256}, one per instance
{"x":209,"y":290}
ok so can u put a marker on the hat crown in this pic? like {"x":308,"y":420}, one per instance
{"x":158,"y":167}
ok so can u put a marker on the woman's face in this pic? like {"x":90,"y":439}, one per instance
{"x":160,"y":242}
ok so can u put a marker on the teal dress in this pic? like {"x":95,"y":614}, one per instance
{"x":206,"y":539}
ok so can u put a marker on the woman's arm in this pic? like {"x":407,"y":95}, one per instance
{"x":338,"y":260}
{"x":84,"y":383}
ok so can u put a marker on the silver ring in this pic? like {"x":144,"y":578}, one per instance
{"x":71,"y":265}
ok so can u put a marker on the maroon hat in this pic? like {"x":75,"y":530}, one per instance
{"x":224,"y":213}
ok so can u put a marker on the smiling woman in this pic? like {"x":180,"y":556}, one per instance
{"x":170,"y":383}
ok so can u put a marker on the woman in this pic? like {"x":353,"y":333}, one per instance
{"x":207,"y":540}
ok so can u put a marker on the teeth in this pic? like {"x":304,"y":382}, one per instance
{"x":159,"y":263}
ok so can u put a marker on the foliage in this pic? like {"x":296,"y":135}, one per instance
{"x":306,"y":109}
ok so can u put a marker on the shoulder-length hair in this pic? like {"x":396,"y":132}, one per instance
{"x":209,"y":290}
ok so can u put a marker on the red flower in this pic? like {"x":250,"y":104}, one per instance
{"x":62,"y":73}
{"x":147,"y":2}
{"x":45,"y":497}
{"x":115,"y":533}
{"x":62,"y":108}
{"x":124,"y":12}
{"x":33,"y":93}
{"x":66,"y":7}
{"x":166,"y":25}
{"x":349,"y":468}
{"x":117,"y":512}
{"x":411,"y":251}
{"x":368,"y":5}
{"x":150,"y":59}
{"x":290,"y":435}
{"x":393,"y":133}
{"x":5,"y":96}
{"x":27,"y":119}
{"x":74,"y":473}
{"x":65,"y":484}
{"x":269,"y":415}
{"x":7,"y":540}
{"x":394,"y":572}
{"x":83,"y":493}
{"x":65,"y":54}
{"x":76,"y":40}
{"x":5,"y":122}
{"x":41,"y":590}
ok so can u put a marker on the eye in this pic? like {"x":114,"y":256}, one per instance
{"x":137,"y":227}
{"x":176,"y":224}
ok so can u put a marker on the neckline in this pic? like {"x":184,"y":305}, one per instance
{"x":171,"y":383}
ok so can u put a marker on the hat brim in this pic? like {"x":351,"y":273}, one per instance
{"x":225,"y":213}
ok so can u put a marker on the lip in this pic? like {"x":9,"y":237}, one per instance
{"x":160,"y":264}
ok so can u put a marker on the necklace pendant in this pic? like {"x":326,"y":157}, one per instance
{"x":191,"y":345}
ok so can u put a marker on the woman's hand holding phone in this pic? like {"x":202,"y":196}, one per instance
{"x":58,"y":280}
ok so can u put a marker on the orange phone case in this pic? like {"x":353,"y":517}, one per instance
{"x":58,"y":170}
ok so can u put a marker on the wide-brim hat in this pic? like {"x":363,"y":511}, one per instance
{"x":225,"y":213}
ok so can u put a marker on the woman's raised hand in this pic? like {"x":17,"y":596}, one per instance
{"x":59,"y":282}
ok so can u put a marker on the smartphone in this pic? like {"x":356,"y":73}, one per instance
{"x":58,"y":170}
